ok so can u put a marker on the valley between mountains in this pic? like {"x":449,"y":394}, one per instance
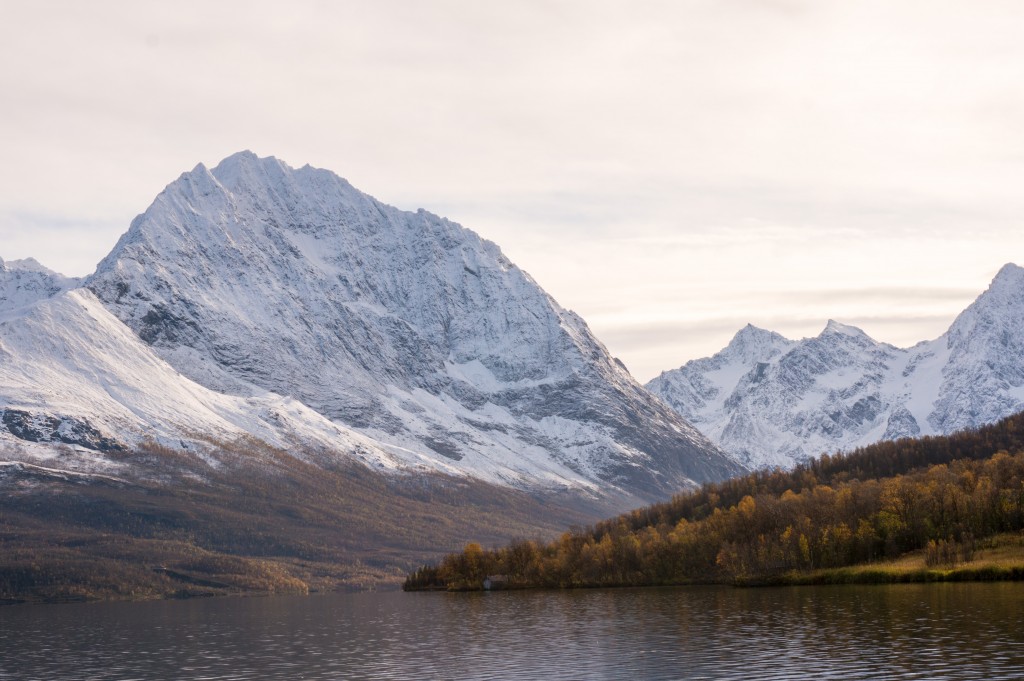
{"x":275,"y":382}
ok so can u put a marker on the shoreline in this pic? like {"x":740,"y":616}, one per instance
{"x":998,"y":559}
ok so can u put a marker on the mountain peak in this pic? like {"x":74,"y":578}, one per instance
{"x":751,"y":334}
{"x":1010,"y":276}
{"x":1011,"y":267}
{"x":246,"y":168}
{"x":29,"y":266}
{"x":244,"y":156}
{"x":405,"y":326}
{"x":23,"y":282}
{"x":1004,"y":294}
{"x":26,"y":265}
{"x":754,"y":343}
{"x":995,"y":313}
{"x":833,"y":328}
{"x":242,"y":160}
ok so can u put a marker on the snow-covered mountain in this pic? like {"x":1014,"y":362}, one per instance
{"x":23,"y":282}
{"x":772,"y":401}
{"x":257,"y":300}
{"x":72,"y":373}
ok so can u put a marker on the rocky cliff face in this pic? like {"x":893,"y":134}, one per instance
{"x":772,"y":401}
{"x":405,"y":328}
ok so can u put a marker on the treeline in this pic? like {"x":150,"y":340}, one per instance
{"x":936,"y":493}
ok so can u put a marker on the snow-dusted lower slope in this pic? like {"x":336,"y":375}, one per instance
{"x":275,"y":290}
{"x":72,"y":373}
{"x":772,"y":401}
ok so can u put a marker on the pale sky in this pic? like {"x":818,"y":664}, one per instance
{"x":669,"y":170}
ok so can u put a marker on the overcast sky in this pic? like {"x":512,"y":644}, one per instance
{"x":669,"y":170}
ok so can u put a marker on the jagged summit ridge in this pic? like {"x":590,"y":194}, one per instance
{"x":255,"y":277}
{"x":843,"y":389}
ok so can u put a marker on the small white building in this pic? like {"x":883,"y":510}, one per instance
{"x":492,"y":582}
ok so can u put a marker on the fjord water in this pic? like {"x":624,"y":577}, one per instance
{"x":933,"y":631}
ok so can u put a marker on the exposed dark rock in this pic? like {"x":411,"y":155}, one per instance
{"x":66,"y":430}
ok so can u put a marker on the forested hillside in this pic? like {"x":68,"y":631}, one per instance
{"x":939,"y":494}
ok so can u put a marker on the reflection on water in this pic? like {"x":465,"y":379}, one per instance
{"x":940,"y":631}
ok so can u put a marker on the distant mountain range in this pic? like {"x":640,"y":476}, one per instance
{"x":259,"y":302}
{"x":771,"y":401}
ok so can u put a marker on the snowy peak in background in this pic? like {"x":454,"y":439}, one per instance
{"x":23,"y":282}
{"x":256,"y":278}
{"x":983,"y":379}
{"x":771,"y":401}
{"x":838,"y":329}
{"x":713,"y":377}
{"x":997,"y":311}
{"x":1010,"y":277}
{"x":752,"y":344}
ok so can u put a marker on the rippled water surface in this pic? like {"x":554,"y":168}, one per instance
{"x":937,"y":631}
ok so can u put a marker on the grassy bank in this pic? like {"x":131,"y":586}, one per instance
{"x":1000,"y":558}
